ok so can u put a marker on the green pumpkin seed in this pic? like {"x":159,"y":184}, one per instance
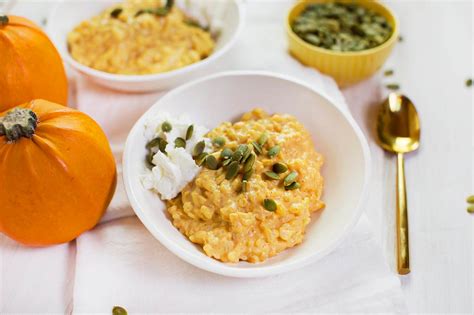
{"x":249,"y":163}
{"x":219,"y":142}
{"x":179,"y":143}
{"x":245,"y":186}
{"x":153,"y":143}
{"x":269,"y":204}
{"x":279,"y":168}
{"x":211,"y":162}
{"x":199,"y":148}
{"x":290,"y":178}
{"x":247,"y":153}
{"x":163,"y":144}
{"x":189,"y":132}
{"x":248,"y":174}
{"x":262,"y":139}
{"x":149,"y":158}
{"x":237,"y":156}
{"x":226,"y":153}
{"x":166,"y":127}
{"x":470,"y":209}
{"x":393,"y":86}
{"x":118,"y":310}
{"x":232,"y":170}
{"x":470,"y":199}
{"x":469,"y":82}
{"x":257,"y":148}
{"x":226,"y":162}
{"x":116,"y":12}
{"x":201,"y":158}
{"x":273,"y":151}
{"x":272,"y":175}
{"x":388,"y":72}
{"x":292,"y":186}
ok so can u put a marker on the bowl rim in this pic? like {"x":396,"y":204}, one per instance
{"x":241,"y":15}
{"x":228,"y":269}
{"x":374,"y":50}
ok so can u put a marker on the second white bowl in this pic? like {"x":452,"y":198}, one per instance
{"x":227,"y":17}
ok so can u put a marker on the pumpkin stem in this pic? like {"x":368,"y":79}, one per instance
{"x":3,"y":20}
{"x":17,"y":123}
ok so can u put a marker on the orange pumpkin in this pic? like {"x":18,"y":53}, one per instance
{"x":30,"y":66}
{"x":57,"y":173}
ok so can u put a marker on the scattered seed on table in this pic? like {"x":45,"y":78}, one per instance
{"x":118,"y":310}
{"x":388,"y":72}
{"x":470,"y":199}
{"x":469,"y":82}
{"x":392,"y":86}
{"x":470,"y":209}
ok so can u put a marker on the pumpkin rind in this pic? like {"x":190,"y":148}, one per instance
{"x":30,"y":66}
{"x":58,"y":183}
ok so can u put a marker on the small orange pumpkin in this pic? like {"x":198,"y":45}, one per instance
{"x":30,"y":65}
{"x":57,"y":173}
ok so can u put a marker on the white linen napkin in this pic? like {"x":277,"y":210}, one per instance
{"x":120,"y":263}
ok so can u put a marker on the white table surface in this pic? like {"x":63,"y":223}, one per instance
{"x":431,"y":65}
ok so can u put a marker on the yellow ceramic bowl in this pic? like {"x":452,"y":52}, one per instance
{"x":345,"y":67}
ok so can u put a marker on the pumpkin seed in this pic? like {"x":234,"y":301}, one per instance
{"x":279,"y":168}
{"x":249,"y":163}
{"x":201,"y":158}
{"x":245,"y":186}
{"x":470,"y":199}
{"x":226,"y":153}
{"x":273,"y":151}
{"x":226,"y":162}
{"x":153,"y":143}
{"x":189,"y":132}
{"x":118,"y":310}
{"x":232,"y":170}
{"x":269,"y":204}
{"x":469,"y":82}
{"x":257,"y":148}
{"x":219,"y":142}
{"x":393,"y":86}
{"x":292,"y":186}
{"x":248,"y":174}
{"x":238,"y":154}
{"x":388,"y":72}
{"x":470,"y":209}
{"x":290,"y":178}
{"x":166,"y":127}
{"x":211,"y":162}
{"x":199,"y":148}
{"x":272,"y":175}
{"x":247,"y":153}
{"x":262,"y":139}
{"x":149,"y":158}
{"x":179,"y":143}
{"x":116,"y":12}
{"x":162,"y":145}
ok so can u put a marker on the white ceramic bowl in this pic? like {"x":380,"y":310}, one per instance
{"x":227,"y":17}
{"x":224,"y":97}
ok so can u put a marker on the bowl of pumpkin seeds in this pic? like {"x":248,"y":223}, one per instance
{"x":348,"y":40}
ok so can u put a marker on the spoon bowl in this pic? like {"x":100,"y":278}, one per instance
{"x":398,"y":126}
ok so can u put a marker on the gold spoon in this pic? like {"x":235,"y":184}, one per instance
{"x":398,"y":130}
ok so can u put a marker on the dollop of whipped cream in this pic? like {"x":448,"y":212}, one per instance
{"x":172,"y":171}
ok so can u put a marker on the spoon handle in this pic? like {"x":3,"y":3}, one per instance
{"x":403,"y":264}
